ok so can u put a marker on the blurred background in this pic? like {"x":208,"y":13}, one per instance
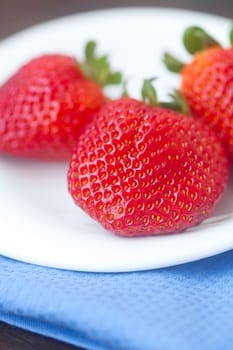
{"x":19,"y":14}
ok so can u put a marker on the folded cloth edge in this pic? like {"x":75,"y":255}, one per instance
{"x":48,"y":330}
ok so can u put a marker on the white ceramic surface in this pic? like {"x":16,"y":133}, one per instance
{"x":38,"y":221}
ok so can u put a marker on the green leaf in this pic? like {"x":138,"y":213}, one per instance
{"x":97,"y":68}
{"x":90,"y":50}
{"x":149,"y":94}
{"x":172,"y":63}
{"x":115,"y":78}
{"x":197,"y":39}
{"x":231,"y":35}
{"x":177,"y":103}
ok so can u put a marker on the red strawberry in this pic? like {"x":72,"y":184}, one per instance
{"x":207,"y":83}
{"x":45,"y":104}
{"x":142,"y":170}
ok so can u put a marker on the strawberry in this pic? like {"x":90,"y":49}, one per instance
{"x":142,"y":170}
{"x":207,"y":83}
{"x":47,"y":102}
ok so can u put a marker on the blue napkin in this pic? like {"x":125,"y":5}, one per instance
{"x":183,"y":307}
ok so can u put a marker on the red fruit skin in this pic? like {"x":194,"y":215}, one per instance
{"x":44,"y":106}
{"x":143,"y":171}
{"x":207,"y":85}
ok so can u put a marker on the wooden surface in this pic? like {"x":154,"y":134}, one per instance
{"x":14,"y":338}
{"x":19,"y":14}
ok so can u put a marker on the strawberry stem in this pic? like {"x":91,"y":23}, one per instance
{"x":150,"y":97}
{"x":178,"y":103}
{"x":197,"y":39}
{"x":125,"y":92}
{"x":149,"y":94}
{"x":97,"y":68}
{"x":231,"y":35}
{"x":172,"y":63}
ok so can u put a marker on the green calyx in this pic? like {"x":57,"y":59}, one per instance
{"x":125,"y":92}
{"x":177,"y":103}
{"x":97,"y":68}
{"x":172,"y":63}
{"x":197,"y":39}
{"x":231,"y":35}
{"x":150,"y":97}
{"x":148,"y":92}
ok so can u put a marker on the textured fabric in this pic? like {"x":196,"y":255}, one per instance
{"x":183,"y":307}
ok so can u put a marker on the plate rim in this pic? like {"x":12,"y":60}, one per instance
{"x":96,"y":13}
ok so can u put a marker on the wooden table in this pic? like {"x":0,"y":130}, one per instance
{"x":19,"y":14}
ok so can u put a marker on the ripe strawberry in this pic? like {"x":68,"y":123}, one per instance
{"x":142,"y":170}
{"x":45,"y":104}
{"x":207,"y":83}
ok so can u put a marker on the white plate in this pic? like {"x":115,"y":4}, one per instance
{"x":38,"y":221}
